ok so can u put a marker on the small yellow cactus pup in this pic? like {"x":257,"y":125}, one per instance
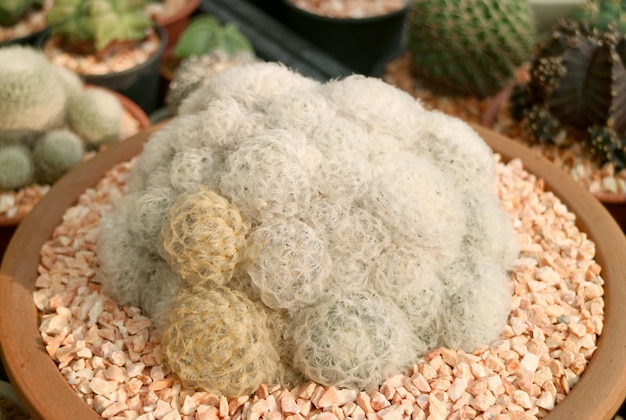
{"x":217,"y":340}
{"x":205,"y":237}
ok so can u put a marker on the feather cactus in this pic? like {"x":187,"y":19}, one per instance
{"x":99,"y":21}
{"x":578,"y":85}
{"x":469,"y":47}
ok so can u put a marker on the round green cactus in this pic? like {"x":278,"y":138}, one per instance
{"x":56,"y":153}
{"x":96,"y":116}
{"x":32,"y":97}
{"x":469,"y":47}
{"x":16,"y":167}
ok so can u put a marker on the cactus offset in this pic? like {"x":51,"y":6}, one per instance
{"x":96,"y":116}
{"x":469,"y":47}
{"x":16,"y":167}
{"x":99,"y":21}
{"x":56,"y":153}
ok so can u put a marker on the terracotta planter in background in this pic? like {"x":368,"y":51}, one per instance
{"x":615,"y":202}
{"x":46,"y":394}
{"x":9,"y":224}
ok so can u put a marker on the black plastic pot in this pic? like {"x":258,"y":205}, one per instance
{"x":140,"y":84}
{"x":273,"y":41}
{"x":24,"y":40}
{"x":365,"y":45}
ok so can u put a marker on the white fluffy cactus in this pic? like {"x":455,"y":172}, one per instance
{"x":32,"y":96}
{"x":96,"y":116}
{"x":55,"y":153}
{"x":373,"y":231}
{"x":16,"y":167}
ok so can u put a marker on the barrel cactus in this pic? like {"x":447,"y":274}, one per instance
{"x":469,"y":47}
{"x":99,"y":22}
{"x":11,"y":11}
{"x":268,"y":223}
{"x":577,"y":86}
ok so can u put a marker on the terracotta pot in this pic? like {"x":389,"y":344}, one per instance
{"x":43,"y":390}
{"x":175,"y":24}
{"x":615,"y":202}
{"x":9,"y":224}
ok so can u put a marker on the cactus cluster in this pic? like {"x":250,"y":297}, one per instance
{"x":11,"y":11}
{"x":577,"y":86}
{"x":469,"y":47}
{"x":47,"y":112}
{"x":337,"y":231}
{"x":99,"y":22}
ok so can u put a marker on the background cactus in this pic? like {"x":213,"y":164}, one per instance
{"x":11,"y":11}
{"x":205,"y":34}
{"x":56,"y":153}
{"x":578,"y":85}
{"x":96,"y":116}
{"x":99,"y":21}
{"x":469,"y":47}
{"x":32,"y":96}
{"x":16,"y":167}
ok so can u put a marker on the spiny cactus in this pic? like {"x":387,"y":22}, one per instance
{"x":16,"y":167}
{"x":32,"y":97}
{"x":578,"y":87}
{"x":600,"y":14}
{"x":56,"y":153}
{"x":194,"y":71}
{"x":11,"y":11}
{"x":96,"y":116}
{"x":99,"y":21}
{"x":469,"y":47}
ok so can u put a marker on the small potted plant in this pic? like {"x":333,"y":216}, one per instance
{"x":110,"y":43}
{"x":21,"y":21}
{"x":50,"y":122}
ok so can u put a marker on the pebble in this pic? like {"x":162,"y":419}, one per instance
{"x":113,"y":361}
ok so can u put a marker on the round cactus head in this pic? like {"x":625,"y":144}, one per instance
{"x":96,"y":116}
{"x":55,"y":154}
{"x":11,"y":11}
{"x":32,"y":97}
{"x":16,"y":167}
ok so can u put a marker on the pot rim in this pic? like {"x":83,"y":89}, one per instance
{"x":46,"y":394}
{"x":130,"y":106}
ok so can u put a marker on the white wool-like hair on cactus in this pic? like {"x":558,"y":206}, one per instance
{"x":367,"y":228}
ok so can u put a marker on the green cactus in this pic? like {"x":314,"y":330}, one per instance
{"x":11,"y":11}
{"x":16,"y":167}
{"x":205,"y":34}
{"x":578,"y":78}
{"x":96,"y":116}
{"x":56,"y":153}
{"x":99,"y":21}
{"x":32,"y":97}
{"x":469,"y":47}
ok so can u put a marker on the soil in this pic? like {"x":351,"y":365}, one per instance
{"x":353,"y":9}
